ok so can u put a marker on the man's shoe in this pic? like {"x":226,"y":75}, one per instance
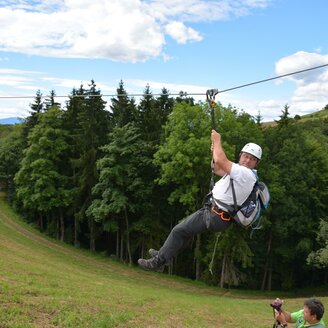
{"x":153,"y":264}
{"x":153,"y":252}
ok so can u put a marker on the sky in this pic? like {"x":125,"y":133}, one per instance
{"x":182,"y":45}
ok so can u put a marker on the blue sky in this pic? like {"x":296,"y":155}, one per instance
{"x":188,"y":45}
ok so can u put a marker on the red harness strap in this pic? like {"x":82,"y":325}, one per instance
{"x":222,"y":214}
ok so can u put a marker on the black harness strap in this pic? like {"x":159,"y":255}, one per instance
{"x":234,"y":195}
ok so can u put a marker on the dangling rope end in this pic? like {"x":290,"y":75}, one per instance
{"x":210,"y":267}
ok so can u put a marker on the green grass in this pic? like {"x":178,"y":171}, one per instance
{"x":45,"y":283}
{"x":315,"y":116}
{"x":320,"y":114}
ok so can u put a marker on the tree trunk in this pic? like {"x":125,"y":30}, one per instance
{"x":197,"y":264}
{"x":128,"y":237}
{"x":117,"y":252}
{"x":76,"y":222}
{"x":57,"y":227}
{"x":122,"y":246}
{"x":267,"y":262}
{"x":62,"y":224}
{"x":270,"y":279}
{"x":76,"y":232}
{"x":142,"y":250}
{"x":92,"y":236}
{"x":41,"y":224}
{"x":223,"y":271}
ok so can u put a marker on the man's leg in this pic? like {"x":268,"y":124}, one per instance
{"x":181,"y":233}
{"x":175,"y":242}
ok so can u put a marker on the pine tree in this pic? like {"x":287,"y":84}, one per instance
{"x":11,"y":151}
{"x":50,"y":101}
{"x":284,"y":117}
{"x":36,"y":108}
{"x":41,"y":186}
{"x":123,"y":108}
{"x":93,"y":124}
{"x":121,"y":192}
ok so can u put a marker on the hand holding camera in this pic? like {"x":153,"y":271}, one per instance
{"x":277,"y":304}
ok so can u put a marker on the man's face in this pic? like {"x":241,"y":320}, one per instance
{"x":310,"y":318}
{"x":248,"y":160}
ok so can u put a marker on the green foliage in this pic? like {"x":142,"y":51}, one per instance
{"x":120,"y":187}
{"x":184,"y":159}
{"x":123,"y":108}
{"x":297,"y":196}
{"x":11,"y":149}
{"x":39,"y":183}
{"x":284,"y":118}
{"x":90,"y":130}
{"x":121,"y":192}
{"x":232,"y":255}
{"x":319,"y":258}
{"x":119,"y":179}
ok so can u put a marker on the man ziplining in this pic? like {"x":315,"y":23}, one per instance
{"x":231,"y":191}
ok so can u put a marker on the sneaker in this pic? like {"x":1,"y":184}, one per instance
{"x":153,"y":264}
{"x":153,"y":252}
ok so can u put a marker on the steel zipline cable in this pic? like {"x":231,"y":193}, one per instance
{"x":171,"y":94}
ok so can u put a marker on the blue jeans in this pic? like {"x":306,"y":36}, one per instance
{"x":202,"y":220}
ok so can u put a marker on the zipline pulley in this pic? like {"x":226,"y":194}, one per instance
{"x":210,"y":96}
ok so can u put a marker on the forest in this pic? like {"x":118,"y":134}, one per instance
{"x":115,"y":178}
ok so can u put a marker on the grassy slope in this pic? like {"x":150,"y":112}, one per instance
{"x":319,"y":115}
{"x":44,"y":283}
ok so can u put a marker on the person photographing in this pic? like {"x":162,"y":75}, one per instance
{"x":310,"y":316}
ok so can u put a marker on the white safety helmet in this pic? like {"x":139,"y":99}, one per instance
{"x":253,"y":149}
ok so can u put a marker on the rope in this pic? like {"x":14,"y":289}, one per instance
{"x":273,"y":78}
{"x":210,"y":96}
{"x":213,"y":254}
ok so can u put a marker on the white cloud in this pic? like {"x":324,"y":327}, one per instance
{"x":120,"y":30}
{"x":14,"y":108}
{"x":100,"y":29}
{"x":269,"y":109}
{"x":181,"y":33}
{"x":65,"y":83}
{"x":173,"y":88}
{"x":16,"y":71}
{"x":301,"y":61}
{"x":19,"y":79}
{"x":202,"y":10}
{"x":69,"y":84}
{"x":311,"y":86}
{"x":309,"y":94}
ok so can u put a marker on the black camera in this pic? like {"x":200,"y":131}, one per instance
{"x":277,"y":304}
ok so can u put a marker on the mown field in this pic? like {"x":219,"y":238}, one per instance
{"x":45,"y":283}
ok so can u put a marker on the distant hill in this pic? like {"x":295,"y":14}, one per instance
{"x":10,"y":120}
{"x":318,"y":115}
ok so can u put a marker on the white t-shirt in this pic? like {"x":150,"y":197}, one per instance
{"x":243,"y":181}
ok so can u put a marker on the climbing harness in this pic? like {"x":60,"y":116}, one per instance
{"x":249,"y":213}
